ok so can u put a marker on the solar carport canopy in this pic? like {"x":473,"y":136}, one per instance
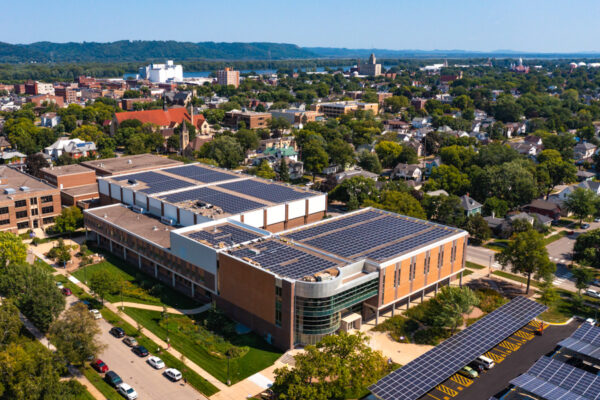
{"x":585,"y":340}
{"x":432,"y":368}
{"x":555,"y":380}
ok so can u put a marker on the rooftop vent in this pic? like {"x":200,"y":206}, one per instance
{"x":255,"y":251}
{"x":129,"y":162}
{"x":155,"y":228}
{"x":132,"y":181}
{"x":24,"y":188}
{"x":9,"y":191}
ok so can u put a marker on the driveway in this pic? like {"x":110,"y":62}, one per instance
{"x":148,"y":382}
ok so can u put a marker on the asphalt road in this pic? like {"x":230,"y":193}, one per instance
{"x":148,"y":382}
{"x":496,"y":380}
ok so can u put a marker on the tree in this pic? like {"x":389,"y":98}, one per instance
{"x":395,"y":104}
{"x":61,"y":253}
{"x":448,"y":178}
{"x":358,"y":188}
{"x":103,"y":282}
{"x":549,"y":294}
{"x":526,"y":254}
{"x":173,"y":142}
{"x":398,"y":202}
{"x":450,"y":304}
{"x":69,"y":220}
{"x":314,"y":156}
{"x":458,"y":156}
{"x":583,"y":277}
{"x":263,"y":170}
{"x":10,"y":323}
{"x":444,"y":209}
{"x":248,"y":139}
{"x":284,"y":171}
{"x":495,"y":206}
{"x":558,"y":170}
{"x":337,"y":365}
{"x":12,"y":249}
{"x":278,"y":124}
{"x":340,"y":153}
{"x":369,"y":162}
{"x":581,"y":202}
{"x":389,"y":153}
{"x":225,"y":150}
{"x":75,"y":335}
{"x":587,"y":248}
{"x":34,"y":163}
{"x":478,"y":229}
{"x":506,"y":109}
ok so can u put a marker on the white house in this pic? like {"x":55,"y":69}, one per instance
{"x":50,"y":120}
{"x":75,"y":147}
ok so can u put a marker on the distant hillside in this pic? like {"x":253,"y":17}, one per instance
{"x":143,"y":50}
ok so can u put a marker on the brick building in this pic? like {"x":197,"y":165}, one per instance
{"x":129,"y":164}
{"x":251,"y":119}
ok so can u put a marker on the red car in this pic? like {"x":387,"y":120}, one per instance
{"x":99,"y":366}
{"x":66,"y":291}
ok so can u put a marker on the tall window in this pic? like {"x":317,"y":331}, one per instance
{"x":441,"y":257}
{"x":278,"y":299}
{"x":427,"y":260}
{"x":413,"y":268}
{"x":453,"y":252}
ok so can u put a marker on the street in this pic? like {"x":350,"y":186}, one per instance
{"x":148,"y":382}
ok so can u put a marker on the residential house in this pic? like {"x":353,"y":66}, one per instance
{"x":584,"y":151}
{"x":515,"y":129}
{"x":280,"y":152}
{"x":397,"y":125}
{"x":76,"y":148}
{"x":12,"y":157}
{"x":50,"y":120}
{"x":295,"y":168}
{"x":431,"y":164}
{"x":526,"y":149}
{"x":470,"y":205}
{"x":585,"y":175}
{"x":544,"y":207}
{"x":180,"y":98}
{"x":417,"y":146}
{"x":591,"y":185}
{"x":4,"y":143}
{"x":342,"y":176}
{"x":420,"y":122}
{"x":407,"y":171}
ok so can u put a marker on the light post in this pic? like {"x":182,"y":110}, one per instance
{"x":228,"y":380}
{"x":490,"y":269}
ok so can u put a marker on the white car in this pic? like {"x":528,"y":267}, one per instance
{"x":127,"y":391}
{"x":59,"y":285}
{"x":173,"y":374}
{"x":156,"y":362}
{"x":96,"y":314}
{"x":593,"y":293}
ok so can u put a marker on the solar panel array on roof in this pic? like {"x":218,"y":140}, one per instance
{"x":157,"y":183}
{"x":395,"y":249}
{"x":333,"y":225}
{"x":585,"y":340}
{"x":429,"y":370}
{"x":285,"y":260}
{"x":201,"y":174}
{"x":554,"y":380}
{"x":227,"y":202}
{"x":267,"y":191}
{"x":228,"y":234}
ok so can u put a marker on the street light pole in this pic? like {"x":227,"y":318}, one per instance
{"x":490,"y":269}
{"x":228,"y":381}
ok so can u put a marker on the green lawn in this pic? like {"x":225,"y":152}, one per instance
{"x":198,"y":382}
{"x":107,"y":391}
{"x":471,"y":265}
{"x":565,"y":308}
{"x":42,"y":264}
{"x":86,"y":395}
{"x":517,"y":278}
{"x":555,"y":237}
{"x":259,"y":356}
{"x":139,"y":287}
{"x":497,"y":245}
{"x":467,"y":272}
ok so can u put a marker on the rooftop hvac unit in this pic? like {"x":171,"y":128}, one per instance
{"x":138,"y":209}
{"x":9,"y":191}
{"x":132,"y":181}
{"x":255,"y":251}
{"x":168,"y":221}
{"x":24,"y":188}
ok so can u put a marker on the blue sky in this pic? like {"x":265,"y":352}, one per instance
{"x":484,"y":25}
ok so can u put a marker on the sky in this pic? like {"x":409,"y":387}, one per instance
{"x":476,"y":25}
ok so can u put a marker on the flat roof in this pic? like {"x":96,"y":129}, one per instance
{"x":142,"y":225}
{"x":585,"y":340}
{"x":125,"y":164}
{"x":223,"y":235}
{"x":371,"y":233}
{"x":286,"y":259}
{"x":67,"y":170}
{"x":92,"y":188}
{"x":12,"y":182}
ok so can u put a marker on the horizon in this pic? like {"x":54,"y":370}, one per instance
{"x":530,"y":27}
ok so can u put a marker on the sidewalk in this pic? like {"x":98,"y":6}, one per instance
{"x":170,"y":310}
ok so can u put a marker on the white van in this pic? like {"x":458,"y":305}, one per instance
{"x":487,"y":362}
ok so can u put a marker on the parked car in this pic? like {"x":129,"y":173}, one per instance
{"x":570,"y":232}
{"x":59,"y":285}
{"x":468,"y":372}
{"x":130,"y":341}
{"x":487,"y":362}
{"x":100,"y":366}
{"x":479,"y":368}
{"x":87,"y":304}
{"x":66,"y":291}
{"x":597,"y":219}
{"x":585,"y":226}
{"x":156,"y":362}
{"x":596,"y":282}
{"x":113,"y":379}
{"x":593,"y":293}
{"x":173,"y":374}
{"x":127,"y":391}
{"x":117,"y":332}
{"x":96,"y":314}
{"x":140,"y":351}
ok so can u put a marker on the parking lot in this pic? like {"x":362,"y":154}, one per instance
{"x":148,"y":382}
{"x":512,"y":356}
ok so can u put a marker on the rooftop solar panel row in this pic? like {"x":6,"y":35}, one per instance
{"x":585,"y":340}
{"x":272,"y":192}
{"x":329,"y":226}
{"x":552,"y":379}
{"x":155,"y":182}
{"x":229,"y":203}
{"x":228,"y":234}
{"x":201,"y":174}
{"x":432,"y":368}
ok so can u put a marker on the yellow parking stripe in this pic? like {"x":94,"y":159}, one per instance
{"x":430,"y":395}
{"x":509,"y":346}
{"x":494,"y":357}
{"x":461,"y":380}
{"x":524,"y":335}
{"x":446,"y":390}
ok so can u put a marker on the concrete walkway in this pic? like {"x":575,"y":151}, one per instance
{"x":170,"y":310}
{"x":72,"y":370}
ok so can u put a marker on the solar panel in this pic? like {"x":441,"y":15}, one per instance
{"x":155,"y":182}
{"x":228,"y":234}
{"x":201,"y":174}
{"x":229,"y":203}
{"x":552,"y":379}
{"x":267,"y":191}
{"x":285,"y":260}
{"x":585,"y":340}
{"x":329,"y":226}
{"x":425,"y":372}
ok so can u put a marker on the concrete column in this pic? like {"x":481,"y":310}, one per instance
{"x":436,"y":287}
{"x":408,"y":303}
{"x":422,"y":295}
{"x":139,"y":261}
{"x":393,"y":308}
{"x":155,"y":270}
{"x":460,"y":279}
{"x":110,"y":245}
{"x":377,"y":317}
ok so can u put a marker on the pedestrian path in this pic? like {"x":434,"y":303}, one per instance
{"x":170,"y":310}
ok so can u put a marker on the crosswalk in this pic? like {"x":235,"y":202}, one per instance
{"x":559,"y":260}
{"x":562,"y":275}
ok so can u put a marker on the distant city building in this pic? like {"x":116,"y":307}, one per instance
{"x":371,"y":68}
{"x":35,"y":88}
{"x":338,"y":108}
{"x":295,"y":116}
{"x":161,"y":73}
{"x":252,"y":119}
{"x":520,"y":68}
{"x":228,"y":76}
